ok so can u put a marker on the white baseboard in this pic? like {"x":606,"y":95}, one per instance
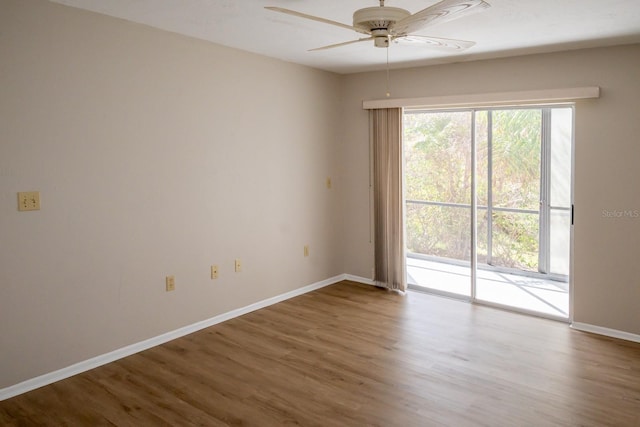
{"x":613,"y":333}
{"x":358,"y":279}
{"x":120,"y":353}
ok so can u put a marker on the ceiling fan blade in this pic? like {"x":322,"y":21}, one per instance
{"x":443,"y":11}
{"x":341,"y":44}
{"x":313,"y":18}
{"x":436,"y":42}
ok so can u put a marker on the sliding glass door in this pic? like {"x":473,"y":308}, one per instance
{"x":516,"y":230}
{"x":438,"y":174}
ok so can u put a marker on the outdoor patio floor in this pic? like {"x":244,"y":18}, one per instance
{"x":549,"y":297}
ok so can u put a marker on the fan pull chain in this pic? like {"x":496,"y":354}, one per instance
{"x":388,"y":90}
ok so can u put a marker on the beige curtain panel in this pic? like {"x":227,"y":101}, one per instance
{"x":386,"y":134}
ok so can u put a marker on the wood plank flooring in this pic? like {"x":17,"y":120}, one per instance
{"x":355,"y":355}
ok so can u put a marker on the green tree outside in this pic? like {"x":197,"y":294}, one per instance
{"x":438,"y":169}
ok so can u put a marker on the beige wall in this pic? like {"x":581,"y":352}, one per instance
{"x":607,"y":152}
{"x":155,"y":154}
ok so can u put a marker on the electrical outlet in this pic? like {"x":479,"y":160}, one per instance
{"x":171,"y":283}
{"x":29,"y":201}
{"x":306,"y":250}
{"x":214,"y":271}
{"x":238,"y":266}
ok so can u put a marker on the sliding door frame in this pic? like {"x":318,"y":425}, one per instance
{"x":543,"y":212}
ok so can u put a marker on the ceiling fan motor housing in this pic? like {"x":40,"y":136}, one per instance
{"x":378,"y":22}
{"x":380,"y":38}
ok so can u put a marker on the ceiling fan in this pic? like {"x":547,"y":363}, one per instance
{"x":386,"y":24}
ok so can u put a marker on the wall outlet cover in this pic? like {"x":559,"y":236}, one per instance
{"x":29,"y":201}
{"x":170,"y":283}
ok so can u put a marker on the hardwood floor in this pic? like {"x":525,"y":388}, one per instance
{"x":354,"y":355}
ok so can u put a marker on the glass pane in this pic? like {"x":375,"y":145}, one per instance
{"x":482,"y":157}
{"x":515,"y":240}
{"x":516,"y":158}
{"x":439,"y":231}
{"x":560,"y":241}
{"x":561,"y":137}
{"x":482,"y":237}
{"x":526,"y":292}
{"x":439,"y":248}
{"x":482,"y":183}
{"x":437,"y":149}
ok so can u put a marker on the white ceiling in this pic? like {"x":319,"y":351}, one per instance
{"x":509,"y":27}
